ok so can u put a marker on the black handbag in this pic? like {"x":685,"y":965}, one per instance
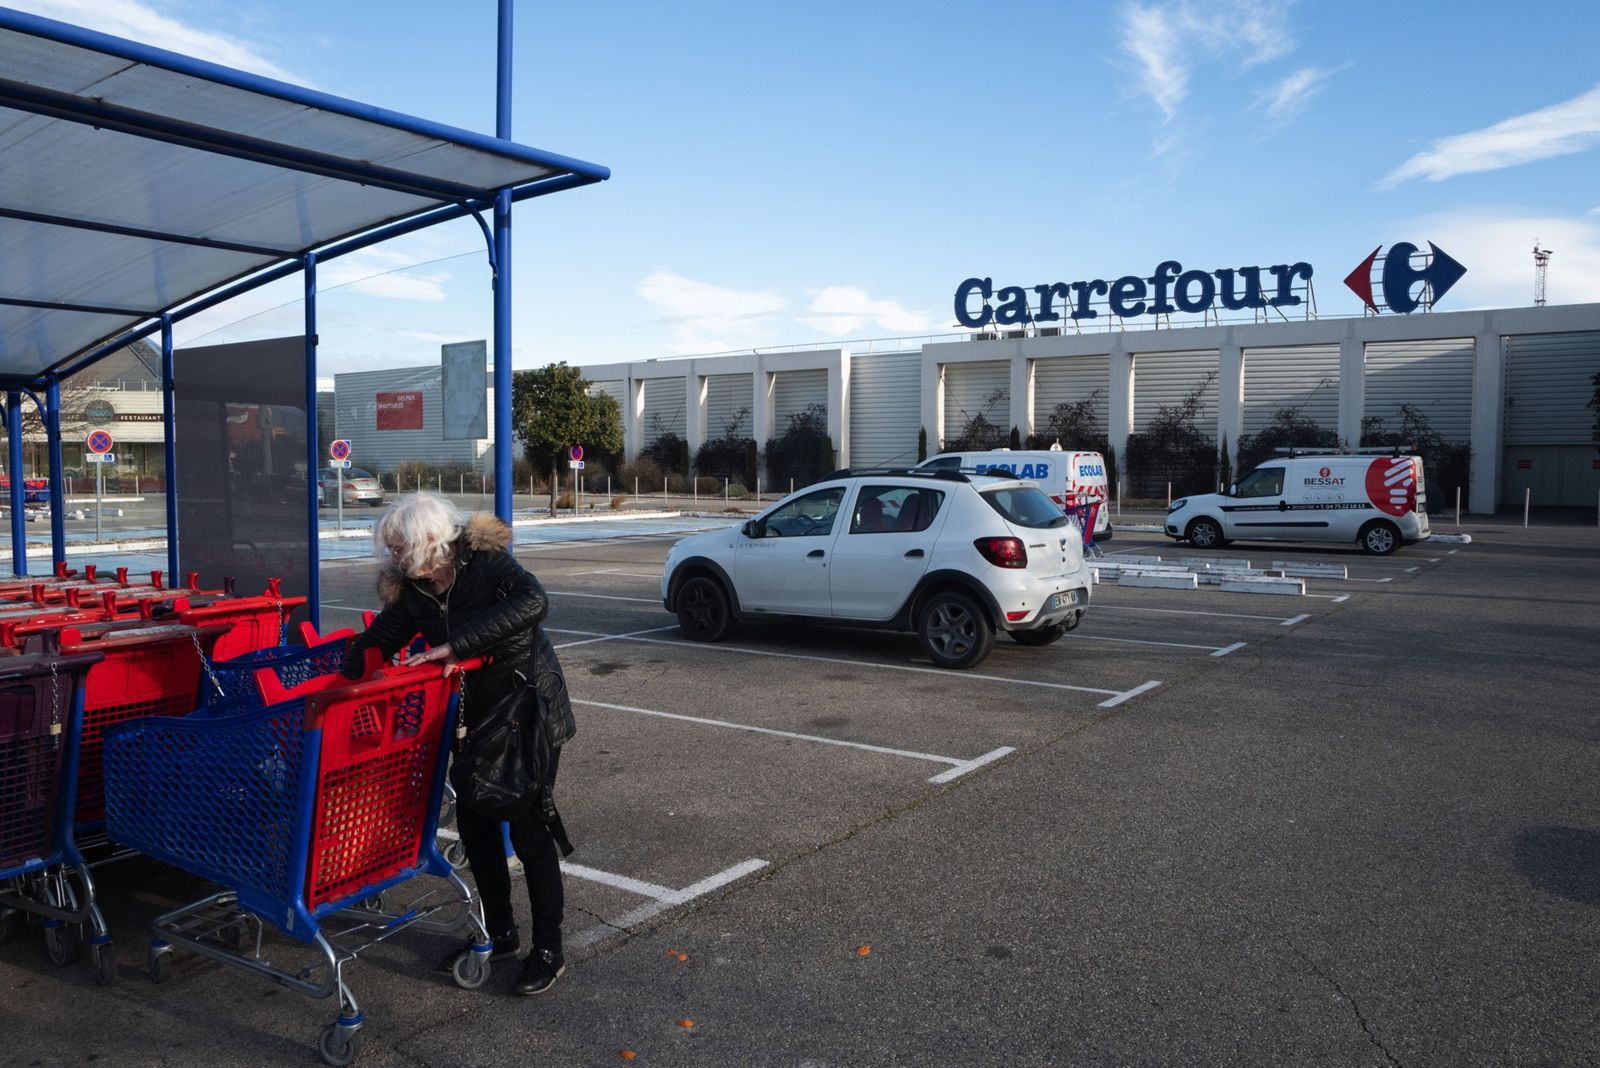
{"x":501,"y":765}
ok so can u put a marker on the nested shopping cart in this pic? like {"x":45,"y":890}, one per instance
{"x":306,"y":809}
{"x":41,"y":871}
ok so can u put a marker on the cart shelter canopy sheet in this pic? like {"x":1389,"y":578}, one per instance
{"x":133,"y":179}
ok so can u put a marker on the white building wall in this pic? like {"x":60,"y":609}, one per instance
{"x":971,"y":389}
{"x":884,"y":409}
{"x":1433,"y":375}
{"x":795,"y":391}
{"x":1303,"y":377}
{"x":381,"y":451}
{"x":665,"y":409}
{"x":1165,"y":378}
{"x":730,"y":402}
{"x":1070,"y":381}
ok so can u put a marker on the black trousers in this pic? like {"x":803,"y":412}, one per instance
{"x":541,"y":866}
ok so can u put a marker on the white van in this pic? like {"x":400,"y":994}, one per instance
{"x":1069,"y":478}
{"x":1379,"y":502}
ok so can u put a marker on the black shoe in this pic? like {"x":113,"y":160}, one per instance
{"x":540,"y":972}
{"x":507,"y":947}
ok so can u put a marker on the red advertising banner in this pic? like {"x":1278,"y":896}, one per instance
{"x":399,"y":411}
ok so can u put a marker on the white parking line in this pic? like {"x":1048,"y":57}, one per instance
{"x":953,"y":675}
{"x":1297,"y":619}
{"x":1099,"y":606}
{"x":1413,"y":569}
{"x":604,"y":596}
{"x":662,"y":897}
{"x":1225,"y":650}
{"x":1136,"y":691}
{"x":615,"y":571}
{"x":958,"y":767}
{"x":609,"y":637}
{"x":1213,"y":649}
{"x":1340,"y":599}
{"x":1387,"y":579}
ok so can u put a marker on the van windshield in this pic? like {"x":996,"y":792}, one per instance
{"x":1026,"y":506}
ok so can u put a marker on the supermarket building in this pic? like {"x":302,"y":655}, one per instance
{"x":1514,"y":383}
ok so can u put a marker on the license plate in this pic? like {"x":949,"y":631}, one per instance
{"x":1063,"y":600}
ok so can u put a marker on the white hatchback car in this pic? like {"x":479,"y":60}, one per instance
{"x":953,"y":557}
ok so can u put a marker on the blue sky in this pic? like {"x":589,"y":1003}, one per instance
{"x":827,"y":172}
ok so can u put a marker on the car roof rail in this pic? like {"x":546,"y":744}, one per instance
{"x":915,"y":472}
{"x":1387,"y":450}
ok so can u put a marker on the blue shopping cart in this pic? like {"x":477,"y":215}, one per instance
{"x":306,"y":804}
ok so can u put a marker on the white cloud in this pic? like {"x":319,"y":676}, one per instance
{"x":1289,"y":97}
{"x":1558,"y":130}
{"x":1497,"y":251}
{"x":138,"y":22}
{"x":1167,"y":40}
{"x":841,"y":310}
{"x":709,"y":318}
{"x":382,"y":273}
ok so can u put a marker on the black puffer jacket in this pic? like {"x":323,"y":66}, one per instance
{"x":493,"y":609}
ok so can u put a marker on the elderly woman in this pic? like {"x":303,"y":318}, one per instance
{"x":453,"y":580}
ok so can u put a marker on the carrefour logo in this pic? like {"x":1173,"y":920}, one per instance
{"x":1399,"y":277}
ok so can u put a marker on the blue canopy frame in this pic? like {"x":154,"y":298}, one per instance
{"x":408,"y":174}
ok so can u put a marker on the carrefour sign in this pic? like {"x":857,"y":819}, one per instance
{"x":1169,"y":289}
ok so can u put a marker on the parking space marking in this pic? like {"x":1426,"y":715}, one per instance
{"x":662,"y":897}
{"x":958,"y":767}
{"x":607,"y":637}
{"x":1339,"y":599}
{"x":1413,"y":569}
{"x":614,"y":571}
{"x":716,"y":648}
{"x":1215,"y":650}
{"x":1387,"y":579}
{"x":1296,"y":619}
{"x":1099,"y":607}
{"x":1225,"y":650}
{"x":605,"y":596}
{"x":1135,"y":692}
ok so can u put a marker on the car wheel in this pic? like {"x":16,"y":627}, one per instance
{"x":1380,"y":538}
{"x":703,"y":610}
{"x":1204,"y":533}
{"x":1043,"y":636}
{"x":954,"y":631}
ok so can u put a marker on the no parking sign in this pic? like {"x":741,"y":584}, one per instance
{"x":99,"y":441}
{"x":339,"y":449}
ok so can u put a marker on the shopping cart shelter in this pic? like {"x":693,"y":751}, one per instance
{"x":144,"y":187}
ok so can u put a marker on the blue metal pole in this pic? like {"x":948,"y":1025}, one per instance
{"x":169,"y":436}
{"x":58,"y":494}
{"x":313,"y":450}
{"x":19,"y":522}
{"x":502,"y":281}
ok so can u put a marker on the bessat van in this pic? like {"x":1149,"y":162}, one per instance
{"x":1376,"y":501}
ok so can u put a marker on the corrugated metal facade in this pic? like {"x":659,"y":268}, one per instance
{"x":665,"y":409}
{"x":1165,"y":378}
{"x":1070,"y":381}
{"x":729,"y":402}
{"x":1548,"y":384}
{"x":885,"y":408}
{"x":971,"y":389}
{"x":795,"y":391}
{"x":1433,"y":376}
{"x":355,"y":417}
{"x":1305,"y":378}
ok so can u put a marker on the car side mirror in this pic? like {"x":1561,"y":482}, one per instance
{"x":754,"y":528}
{"x":1233,"y":489}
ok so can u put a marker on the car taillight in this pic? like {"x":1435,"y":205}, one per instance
{"x":1003,"y":552}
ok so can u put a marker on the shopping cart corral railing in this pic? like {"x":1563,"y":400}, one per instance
{"x":306,"y":809}
{"x":41,"y":871}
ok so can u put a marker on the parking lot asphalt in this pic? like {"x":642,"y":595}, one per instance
{"x":1356,"y":827}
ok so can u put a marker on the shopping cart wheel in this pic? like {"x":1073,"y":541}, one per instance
{"x":158,"y":965}
{"x":372,"y":902}
{"x":470,"y":971}
{"x":337,"y":1049}
{"x":456,"y":854}
{"x":105,"y":963}
{"x":62,"y":942}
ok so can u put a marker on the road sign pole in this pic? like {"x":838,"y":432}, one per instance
{"x":99,"y":491}
{"x":338,"y":491}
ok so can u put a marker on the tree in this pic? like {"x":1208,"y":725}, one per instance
{"x":552,"y":410}
{"x":1075,"y":424}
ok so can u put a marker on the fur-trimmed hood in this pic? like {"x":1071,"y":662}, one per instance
{"x":484,"y":532}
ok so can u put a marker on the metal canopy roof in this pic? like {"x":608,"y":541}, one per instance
{"x":133,"y":180}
